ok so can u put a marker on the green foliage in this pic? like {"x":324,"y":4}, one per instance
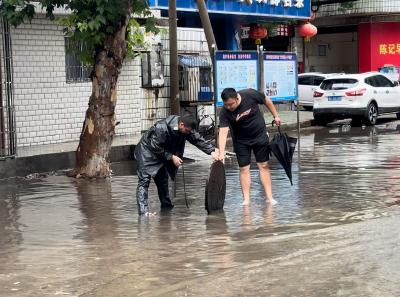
{"x":89,"y":21}
{"x":136,"y":39}
{"x":17,"y":11}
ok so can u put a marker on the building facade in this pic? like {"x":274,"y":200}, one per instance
{"x":361,"y":37}
{"x":229,"y":16}
{"x":51,"y":91}
{"x":45,"y":89}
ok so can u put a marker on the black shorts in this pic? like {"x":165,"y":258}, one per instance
{"x":243,"y":152}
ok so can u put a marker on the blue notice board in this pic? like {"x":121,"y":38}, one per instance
{"x":235,"y":69}
{"x":280,"y":76}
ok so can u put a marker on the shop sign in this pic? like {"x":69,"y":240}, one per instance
{"x":285,"y":3}
{"x":300,"y":9}
{"x":389,"y":49}
{"x":378,"y":45}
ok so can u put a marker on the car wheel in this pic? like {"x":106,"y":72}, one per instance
{"x":372,"y":114}
{"x":308,"y":108}
{"x":398,"y":115}
{"x":320,"y":121}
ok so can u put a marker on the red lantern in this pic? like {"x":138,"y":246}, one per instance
{"x":307,"y":31}
{"x":258,"y":32}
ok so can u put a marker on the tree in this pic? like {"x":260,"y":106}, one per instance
{"x":110,"y":32}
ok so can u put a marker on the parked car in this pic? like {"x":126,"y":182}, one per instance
{"x":308,"y":83}
{"x":390,"y":71}
{"x":362,"y":97}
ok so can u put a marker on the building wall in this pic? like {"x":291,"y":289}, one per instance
{"x":190,"y":41}
{"x":341,"y":53}
{"x":50,"y":110}
{"x":365,"y":14}
{"x":361,"y":7}
{"x":379,"y":44}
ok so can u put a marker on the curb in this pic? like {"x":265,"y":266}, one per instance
{"x":291,"y":126}
{"x":23,"y":166}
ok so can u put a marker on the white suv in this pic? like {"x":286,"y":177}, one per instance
{"x":361,"y":97}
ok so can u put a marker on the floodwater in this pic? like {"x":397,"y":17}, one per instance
{"x":333,"y":233}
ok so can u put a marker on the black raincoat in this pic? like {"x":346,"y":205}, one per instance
{"x":153,"y":155}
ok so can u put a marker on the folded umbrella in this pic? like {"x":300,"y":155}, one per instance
{"x":282,"y":147}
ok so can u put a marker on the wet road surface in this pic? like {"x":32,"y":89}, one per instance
{"x":333,"y":233}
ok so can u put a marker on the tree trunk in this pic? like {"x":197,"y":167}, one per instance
{"x":173,"y":58}
{"x":92,"y":155}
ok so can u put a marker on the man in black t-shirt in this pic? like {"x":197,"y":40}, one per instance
{"x":242,"y":116}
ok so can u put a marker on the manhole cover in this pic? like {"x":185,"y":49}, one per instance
{"x":215,"y":188}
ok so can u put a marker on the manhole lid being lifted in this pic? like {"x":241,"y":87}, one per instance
{"x":215,"y":188}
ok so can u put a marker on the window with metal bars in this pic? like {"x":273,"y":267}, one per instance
{"x":195,"y":78}
{"x":76,"y":70}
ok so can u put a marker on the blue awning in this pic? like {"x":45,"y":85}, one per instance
{"x":193,"y":61}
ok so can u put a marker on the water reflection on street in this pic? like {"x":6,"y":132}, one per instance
{"x":71,"y":237}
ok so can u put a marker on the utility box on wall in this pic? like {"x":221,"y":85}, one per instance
{"x":153,"y":68}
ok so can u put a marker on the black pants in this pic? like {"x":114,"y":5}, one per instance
{"x":243,"y":152}
{"x":142,"y":190}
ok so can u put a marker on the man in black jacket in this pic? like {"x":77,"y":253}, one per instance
{"x":159,"y":154}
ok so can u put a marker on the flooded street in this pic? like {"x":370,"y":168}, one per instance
{"x":333,"y":233}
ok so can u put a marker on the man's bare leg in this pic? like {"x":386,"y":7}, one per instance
{"x":245,"y":181}
{"x":265,"y":178}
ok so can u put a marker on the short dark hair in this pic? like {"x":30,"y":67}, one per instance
{"x":228,"y":93}
{"x":189,"y":121}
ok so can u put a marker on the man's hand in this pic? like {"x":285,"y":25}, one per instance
{"x":271,"y":107}
{"x":221,"y":156}
{"x":222,"y":136}
{"x":176,"y":160}
{"x":215,"y":155}
{"x":278,"y":121}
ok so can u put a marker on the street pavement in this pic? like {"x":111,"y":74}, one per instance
{"x":333,"y":233}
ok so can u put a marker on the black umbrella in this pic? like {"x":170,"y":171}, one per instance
{"x":283,"y":147}
{"x":215,"y":188}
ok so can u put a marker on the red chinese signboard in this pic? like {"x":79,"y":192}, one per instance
{"x":378,"y":44}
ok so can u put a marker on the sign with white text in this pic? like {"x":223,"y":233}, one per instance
{"x":238,"y":70}
{"x":280,"y":76}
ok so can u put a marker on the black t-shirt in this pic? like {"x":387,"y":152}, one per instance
{"x":246,"y":123}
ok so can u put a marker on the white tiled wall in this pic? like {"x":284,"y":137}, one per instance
{"x":49,"y":110}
